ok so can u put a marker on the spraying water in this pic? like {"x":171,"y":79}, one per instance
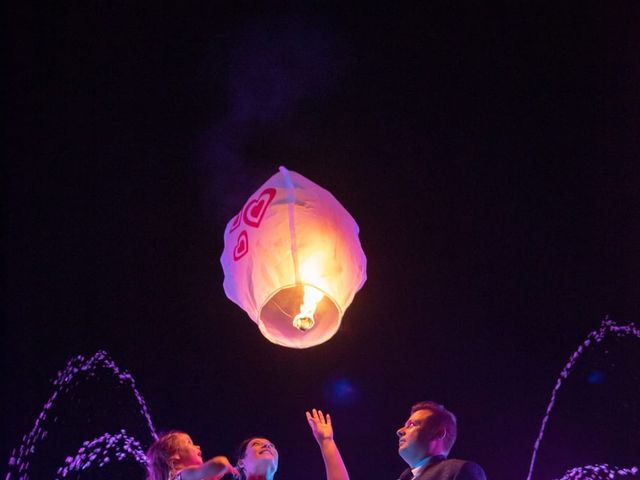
{"x":100,"y":451}
{"x":589,"y":472}
{"x":76,"y":371}
{"x":117,"y":447}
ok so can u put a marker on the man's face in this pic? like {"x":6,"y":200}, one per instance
{"x":415,"y":436}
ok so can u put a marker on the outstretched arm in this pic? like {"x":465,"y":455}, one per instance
{"x":323,"y":433}
{"x":216,"y":468}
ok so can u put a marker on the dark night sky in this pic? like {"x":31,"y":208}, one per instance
{"x":488,"y":153}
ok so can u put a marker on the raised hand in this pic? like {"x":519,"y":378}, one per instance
{"x":320,"y":427}
{"x":323,"y":433}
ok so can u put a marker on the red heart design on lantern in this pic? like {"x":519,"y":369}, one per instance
{"x":235,"y":223}
{"x":242,"y":246}
{"x":256,"y":208}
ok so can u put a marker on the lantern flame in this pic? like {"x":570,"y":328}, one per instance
{"x":304,"y":320}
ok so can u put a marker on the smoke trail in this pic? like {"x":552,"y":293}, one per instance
{"x":274,"y":65}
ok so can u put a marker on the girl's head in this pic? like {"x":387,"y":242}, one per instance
{"x":257,"y":456}
{"x":171,"y":453}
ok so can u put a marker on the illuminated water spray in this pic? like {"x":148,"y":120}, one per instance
{"x":589,"y":472}
{"x":96,"y":452}
{"x":102,"y":450}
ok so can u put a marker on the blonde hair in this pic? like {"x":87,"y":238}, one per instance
{"x":161,"y":454}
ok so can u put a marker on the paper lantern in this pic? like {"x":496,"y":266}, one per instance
{"x":293,"y":261}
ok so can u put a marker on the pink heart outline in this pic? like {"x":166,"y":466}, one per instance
{"x":235,"y":222}
{"x":256,"y":208}
{"x":242,"y":246}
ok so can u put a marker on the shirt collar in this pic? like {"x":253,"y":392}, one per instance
{"x":426,"y":462}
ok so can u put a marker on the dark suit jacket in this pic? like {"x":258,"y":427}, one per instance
{"x":452,"y":469}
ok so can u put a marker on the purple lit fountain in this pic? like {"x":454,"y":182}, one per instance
{"x":78,"y":386}
{"x":608,"y":328}
{"x":84,"y":378}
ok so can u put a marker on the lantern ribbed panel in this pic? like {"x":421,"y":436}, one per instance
{"x":259,"y":267}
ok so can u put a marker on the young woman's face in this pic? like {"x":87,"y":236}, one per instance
{"x":188,"y":453}
{"x":260,"y":455}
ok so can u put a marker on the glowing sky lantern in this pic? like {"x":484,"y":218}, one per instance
{"x":293,"y":261}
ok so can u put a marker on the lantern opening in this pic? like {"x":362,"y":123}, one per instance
{"x":299,"y":316}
